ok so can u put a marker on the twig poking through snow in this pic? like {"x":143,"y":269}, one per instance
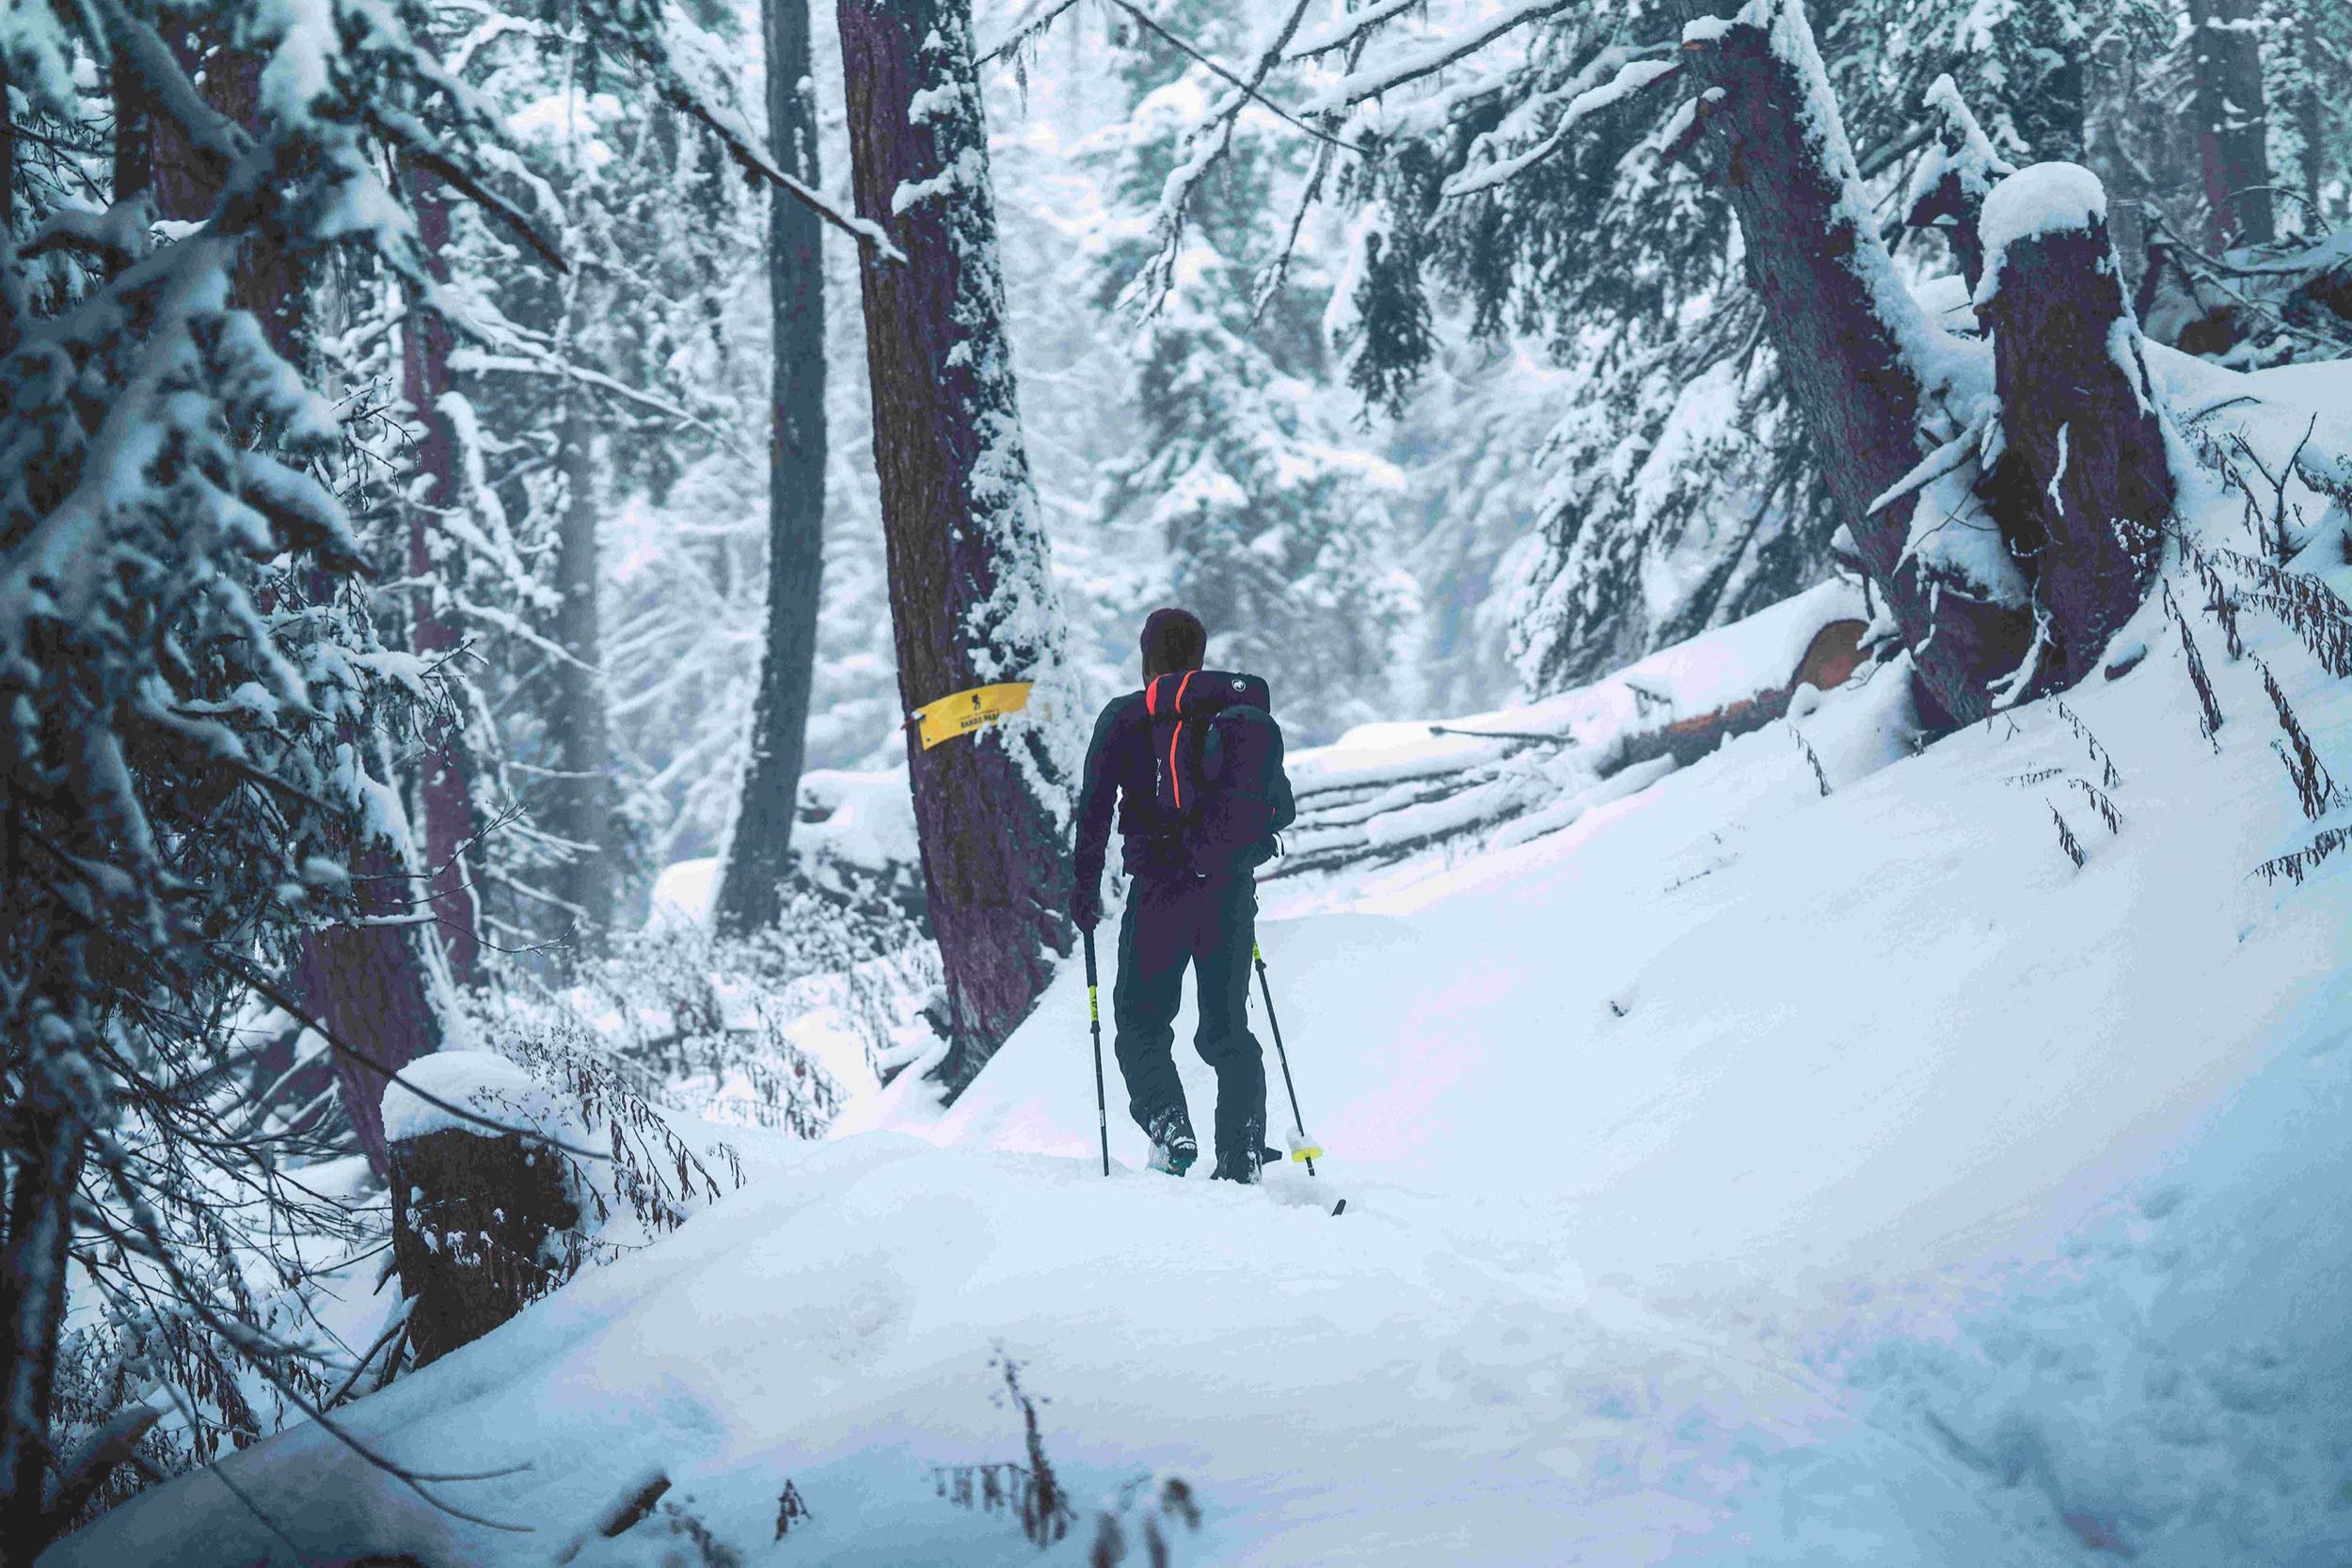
{"x":2067,"y":840}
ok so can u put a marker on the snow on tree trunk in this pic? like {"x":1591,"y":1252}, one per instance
{"x":579,"y":801}
{"x":1857,"y":351}
{"x":447,"y":782}
{"x":750,"y":888}
{"x":2233,"y":120}
{"x":2083,"y":447}
{"x":970,"y":589}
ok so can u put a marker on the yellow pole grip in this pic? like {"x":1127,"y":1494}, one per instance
{"x":1094,"y":1008}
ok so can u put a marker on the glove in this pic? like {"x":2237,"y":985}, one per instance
{"x":1086,"y":907}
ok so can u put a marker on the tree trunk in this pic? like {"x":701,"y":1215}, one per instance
{"x":2310,"y":111}
{"x":446,"y":782}
{"x":580,"y":800}
{"x":269,"y":282}
{"x":751,"y":887}
{"x":11,"y":275}
{"x":372,"y":986}
{"x":2232,"y":122}
{"x":2107,"y":152}
{"x":51,"y":1144}
{"x":2054,"y":116}
{"x":2083,"y":449}
{"x":970,"y":590}
{"x":1843,"y":327}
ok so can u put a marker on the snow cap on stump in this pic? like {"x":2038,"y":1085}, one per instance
{"x":480,"y":1082}
{"x":2041,"y":198}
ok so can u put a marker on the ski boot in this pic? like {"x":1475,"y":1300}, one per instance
{"x":1175,"y":1157}
{"x":1173,"y":1147}
{"x":1242,"y":1168}
{"x":1243,"y":1163}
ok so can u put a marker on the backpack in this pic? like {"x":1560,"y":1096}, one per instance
{"x":1218,"y":759}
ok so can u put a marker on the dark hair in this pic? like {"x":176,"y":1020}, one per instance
{"x":1173,"y":640}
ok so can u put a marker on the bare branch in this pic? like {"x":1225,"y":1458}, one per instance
{"x":1415,"y":64}
{"x":1225,"y":111}
{"x":1026,"y":33}
{"x":1206,"y":147}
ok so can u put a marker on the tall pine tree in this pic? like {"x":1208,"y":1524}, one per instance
{"x":971,"y":585}
{"x":758,"y":857}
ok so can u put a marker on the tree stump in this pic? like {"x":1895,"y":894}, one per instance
{"x":2083,"y":449}
{"x":473,"y":1214}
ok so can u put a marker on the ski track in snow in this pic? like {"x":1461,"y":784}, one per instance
{"x":1735,"y":1176}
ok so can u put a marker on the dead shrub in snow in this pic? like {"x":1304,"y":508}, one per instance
{"x":1171,"y":1497}
{"x":2067,"y":840}
{"x":2100,"y":804}
{"x":2108,"y":777}
{"x":2303,"y":861}
{"x":654,"y":1178}
{"x":1031,"y":1491}
{"x":1811,"y":757}
{"x":2208,"y":705}
{"x":2313,"y":789}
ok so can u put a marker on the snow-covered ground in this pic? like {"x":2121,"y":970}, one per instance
{"x":1739,"y":1175}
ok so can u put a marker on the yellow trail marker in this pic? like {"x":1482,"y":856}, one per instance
{"x":967,"y":711}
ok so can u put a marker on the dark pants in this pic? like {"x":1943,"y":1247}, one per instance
{"x":1210,"y":925}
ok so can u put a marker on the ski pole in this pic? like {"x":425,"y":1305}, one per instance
{"x":1257,"y":956}
{"x":1094,"y":1019}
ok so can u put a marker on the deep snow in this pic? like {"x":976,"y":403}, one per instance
{"x":1737,"y":1175}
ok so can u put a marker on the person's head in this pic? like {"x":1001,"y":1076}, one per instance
{"x":1174,"y":641}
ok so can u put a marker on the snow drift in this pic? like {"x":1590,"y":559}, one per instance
{"x":1795,"y":1158}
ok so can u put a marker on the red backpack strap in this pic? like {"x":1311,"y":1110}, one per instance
{"x":1175,"y":777}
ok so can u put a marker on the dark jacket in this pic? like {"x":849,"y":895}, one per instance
{"x":1120,"y":772}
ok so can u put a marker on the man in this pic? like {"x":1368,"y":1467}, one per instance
{"x":1194,"y":901}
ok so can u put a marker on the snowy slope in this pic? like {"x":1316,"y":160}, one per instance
{"x":1740,"y":1175}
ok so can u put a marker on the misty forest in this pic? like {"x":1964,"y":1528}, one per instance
{"x":559,"y":564}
